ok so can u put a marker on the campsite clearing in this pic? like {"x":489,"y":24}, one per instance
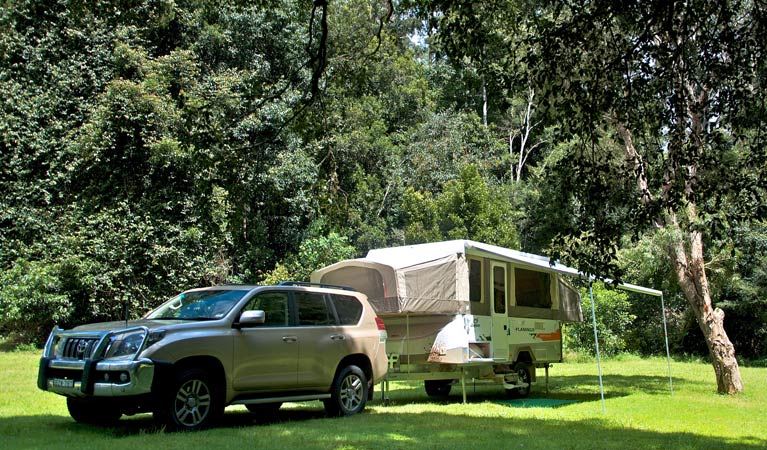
{"x":640,"y":414}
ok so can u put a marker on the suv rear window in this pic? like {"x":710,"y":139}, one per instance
{"x":313,"y":310}
{"x":348,"y":308}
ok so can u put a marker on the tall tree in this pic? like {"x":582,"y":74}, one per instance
{"x":677,"y":85}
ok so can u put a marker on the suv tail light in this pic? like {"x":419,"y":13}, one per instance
{"x":382,"y":335}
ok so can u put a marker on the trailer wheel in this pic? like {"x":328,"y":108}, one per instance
{"x":522,"y":369}
{"x":438,"y":388}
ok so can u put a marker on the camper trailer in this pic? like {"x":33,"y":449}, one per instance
{"x":461,"y":310}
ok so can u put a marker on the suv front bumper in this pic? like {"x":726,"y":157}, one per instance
{"x":99,"y":378}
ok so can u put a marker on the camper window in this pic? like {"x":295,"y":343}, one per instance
{"x":532,"y":289}
{"x":475,"y":280}
{"x":499,"y":289}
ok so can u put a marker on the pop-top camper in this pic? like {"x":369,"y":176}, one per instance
{"x":461,"y":309}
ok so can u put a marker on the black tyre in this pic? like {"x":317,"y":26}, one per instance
{"x":349,"y":392}
{"x":192,"y":403}
{"x":522,"y":370}
{"x":264,"y":408}
{"x":438,"y":388}
{"x":92,"y":411}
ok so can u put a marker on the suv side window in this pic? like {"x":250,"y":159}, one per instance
{"x":348,"y":308}
{"x":274,"y":305}
{"x":313,"y":310}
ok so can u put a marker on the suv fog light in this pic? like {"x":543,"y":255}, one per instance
{"x":123,"y":377}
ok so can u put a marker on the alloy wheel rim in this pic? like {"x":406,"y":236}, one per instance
{"x":351,"y":392}
{"x":192,"y":403}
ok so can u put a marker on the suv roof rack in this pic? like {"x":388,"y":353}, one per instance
{"x":322,"y":285}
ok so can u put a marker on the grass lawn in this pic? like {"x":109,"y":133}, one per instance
{"x":640,"y":413}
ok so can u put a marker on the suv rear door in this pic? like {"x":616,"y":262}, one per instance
{"x":322,"y":342}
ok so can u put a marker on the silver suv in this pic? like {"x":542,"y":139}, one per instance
{"x":204,"y":349}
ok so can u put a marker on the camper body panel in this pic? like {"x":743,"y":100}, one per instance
{"x":462,"y":309}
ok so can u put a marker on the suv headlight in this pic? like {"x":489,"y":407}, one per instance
{"x":125,"y":345}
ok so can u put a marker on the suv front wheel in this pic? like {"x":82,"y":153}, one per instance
{"x":349,"y":392}
{"x":192,"y":403}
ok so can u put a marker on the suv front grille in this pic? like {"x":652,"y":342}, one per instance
{"x":78,"y":348}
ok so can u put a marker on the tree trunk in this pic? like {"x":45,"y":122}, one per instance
{"x":690,"y":269}
{"x":484,"y":101}
{"x":691,"y":274}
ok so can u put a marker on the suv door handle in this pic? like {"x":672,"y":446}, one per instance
{"x":338,"y":337}
{"x":289,"y":339}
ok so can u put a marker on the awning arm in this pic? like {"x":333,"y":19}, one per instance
{"x":640,"y":290}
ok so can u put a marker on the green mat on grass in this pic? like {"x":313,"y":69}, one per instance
{"x":536,"y":402}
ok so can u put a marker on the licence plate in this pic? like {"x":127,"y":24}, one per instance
{"x":58,"y":382}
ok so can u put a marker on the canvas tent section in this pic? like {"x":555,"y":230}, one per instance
{"x":434,"y":283}
{"x":436,"y":278}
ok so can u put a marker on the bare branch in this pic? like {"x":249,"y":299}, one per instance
{"x":635,"y":161}
{"x":385,"y":18}
{"x":319,"y":60}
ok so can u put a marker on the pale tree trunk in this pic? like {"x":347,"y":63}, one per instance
{"x":686,"y":254}
{"x":690,"y":270}
{"x":484,"y":101}
{"x":524,"y":134}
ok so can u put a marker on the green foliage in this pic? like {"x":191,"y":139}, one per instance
{"x":442,"y":145}
{"x":166,"y":145}
{"x":644,"y":262}
{"x":467,"y":208}
{"x":739,"y":271}
{"x":613,"y":319}
{"x":314,"y":253}
{"x":31,"y":300}
{"x":139,"y":152}
{"x":736,"y":271}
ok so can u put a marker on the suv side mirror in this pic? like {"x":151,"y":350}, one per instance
{"x":251,"y":318}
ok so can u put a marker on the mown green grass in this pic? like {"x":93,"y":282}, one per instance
{"x":640,"y":413}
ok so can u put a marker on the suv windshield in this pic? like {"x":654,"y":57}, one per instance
{"x":198,"y":305}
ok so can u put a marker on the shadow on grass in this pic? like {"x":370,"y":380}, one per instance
{"x":581,"y":388}
{"x":309,"y":428}
{"x":618,"y":385}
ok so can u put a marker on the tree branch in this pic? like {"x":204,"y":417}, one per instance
{"x":319,"y":60}
{"x":385,"y":18}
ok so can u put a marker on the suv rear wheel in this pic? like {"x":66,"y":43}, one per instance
{"x":349,"y":392}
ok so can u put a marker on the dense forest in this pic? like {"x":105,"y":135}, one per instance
{"x":150,"y":146}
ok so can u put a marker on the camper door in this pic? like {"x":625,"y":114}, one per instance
{"x":500,"y":295}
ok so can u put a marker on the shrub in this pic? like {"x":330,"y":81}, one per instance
{"x":31,"y":301}
{"x":612,"y":317}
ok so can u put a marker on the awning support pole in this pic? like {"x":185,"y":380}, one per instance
{"x":384,"y":391}
{"x":463,"y":384}
{"x":596,"y":344}
{"x":668,"y":353}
